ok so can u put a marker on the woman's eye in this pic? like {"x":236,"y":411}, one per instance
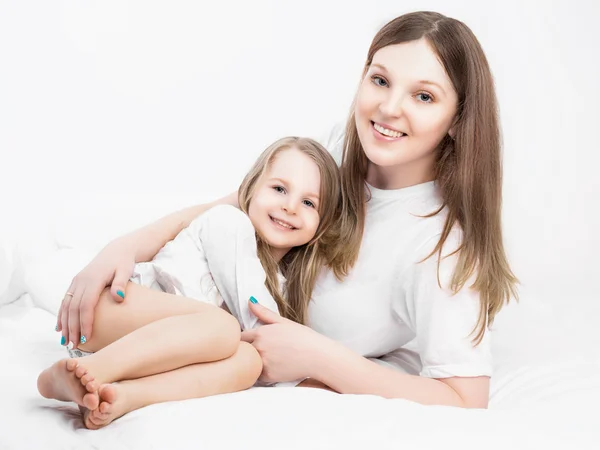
{"x":379,"y":81}
{"x":279,"y":189}
{"x":424,"y":97}
{"x":309,"y":203}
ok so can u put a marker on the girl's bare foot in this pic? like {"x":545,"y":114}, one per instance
{"x":62,"y":381}
{"x":112,"y":406}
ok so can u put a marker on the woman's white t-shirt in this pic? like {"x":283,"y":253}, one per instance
{"x":391,"y":308}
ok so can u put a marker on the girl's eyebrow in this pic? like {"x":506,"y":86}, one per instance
{"x":285,"y":183}
{"x":430,"y":83}
{"x":279,"y":180}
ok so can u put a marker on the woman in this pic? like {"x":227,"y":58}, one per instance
{"x":421,"y":181}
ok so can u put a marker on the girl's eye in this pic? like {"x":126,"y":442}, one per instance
{"x":309,"y":203}
{"x":377,"y":80}
{"x":279,"y":189}
{"x":424,"y":97}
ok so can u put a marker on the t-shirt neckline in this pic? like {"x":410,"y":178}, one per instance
{"x":427,"y":188}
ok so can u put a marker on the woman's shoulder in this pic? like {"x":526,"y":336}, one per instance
{"x":333,"y":141}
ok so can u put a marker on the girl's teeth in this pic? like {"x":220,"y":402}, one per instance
{"x":282,"y":224}
{"x":386,"y":132}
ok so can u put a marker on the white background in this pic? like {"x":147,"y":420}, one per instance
{"x":114,"y":101}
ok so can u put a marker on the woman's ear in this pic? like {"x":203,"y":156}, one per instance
{"x":452,"y":130}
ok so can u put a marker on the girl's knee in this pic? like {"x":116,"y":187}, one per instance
{"x":250,"y":364}
{"x":232,"y":332}
{"x":220,"y":328}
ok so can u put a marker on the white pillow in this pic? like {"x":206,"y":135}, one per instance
{"x":48,"y":277}
{"x":42,"y":254}
{"x":6,"y":271}
{"x":20,"y":244}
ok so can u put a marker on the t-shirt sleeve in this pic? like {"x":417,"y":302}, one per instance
{"x":333,"y":141}
{"x":179,"y":267}
{"x":443,"y":322}
{"x":229,"y":242}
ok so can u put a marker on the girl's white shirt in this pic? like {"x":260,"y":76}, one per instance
{"x":213,"y":260}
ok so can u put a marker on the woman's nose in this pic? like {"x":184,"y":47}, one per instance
{"x":392,"y":105}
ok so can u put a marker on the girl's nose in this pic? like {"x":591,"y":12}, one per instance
{"x":290,"y":206}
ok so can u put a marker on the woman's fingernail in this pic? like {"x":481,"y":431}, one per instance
{"x":56,"y":327}
{"x":63,"y":340}
{"x":70,"y":345}
{"x":120,"y":294}
{"x":83,"y":340}
{"x":253,"y":300}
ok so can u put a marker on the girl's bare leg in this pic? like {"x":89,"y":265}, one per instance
{"x":156,"y":332}
{"x":160,"y":346}
{"x":233,"y":374}
{"x":310,"y":383}
{"x":141,"y":306}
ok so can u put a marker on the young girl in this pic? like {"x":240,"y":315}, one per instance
{"x":157,"y":342}
{"x":421,"y":185}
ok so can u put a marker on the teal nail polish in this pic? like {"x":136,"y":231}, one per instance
{"x":120,"y":293}
{"x":253,"y":300}
{"x":63,"y":340}
{"x":83,"y":340}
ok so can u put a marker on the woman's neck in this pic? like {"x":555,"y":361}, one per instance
{"x":399,"y":176}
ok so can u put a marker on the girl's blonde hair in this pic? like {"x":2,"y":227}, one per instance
{"x":468,"y":171}
{"x":301,"y":264}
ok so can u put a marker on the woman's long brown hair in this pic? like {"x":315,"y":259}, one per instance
{"x":469,"y":167}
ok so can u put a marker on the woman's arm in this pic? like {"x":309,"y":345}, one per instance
{"x":349,"y":373}
{"x":291,"y":351}
{"x":113,"y":267}
{"x":151,"y":238}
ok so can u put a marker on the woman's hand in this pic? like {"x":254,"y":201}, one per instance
{"x":113,"y":267}
{"x":289,"y":351}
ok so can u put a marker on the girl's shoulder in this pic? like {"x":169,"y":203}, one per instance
{"x":222,"y":219}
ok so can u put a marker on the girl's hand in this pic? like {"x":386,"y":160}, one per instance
{"x":112,"y":266}
{"x":289,"y":351}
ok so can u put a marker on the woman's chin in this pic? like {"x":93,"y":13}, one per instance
{"x":383,"y":158}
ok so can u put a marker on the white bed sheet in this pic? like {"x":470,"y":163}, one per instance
{"x":546,"y":405}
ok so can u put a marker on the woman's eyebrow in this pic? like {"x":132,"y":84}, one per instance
{"x":430,"y":83}
{"x":379,"y":66}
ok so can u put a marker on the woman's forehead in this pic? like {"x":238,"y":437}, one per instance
{"x":414,"y":60}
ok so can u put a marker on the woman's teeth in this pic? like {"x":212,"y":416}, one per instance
{"x":386,"y":132}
